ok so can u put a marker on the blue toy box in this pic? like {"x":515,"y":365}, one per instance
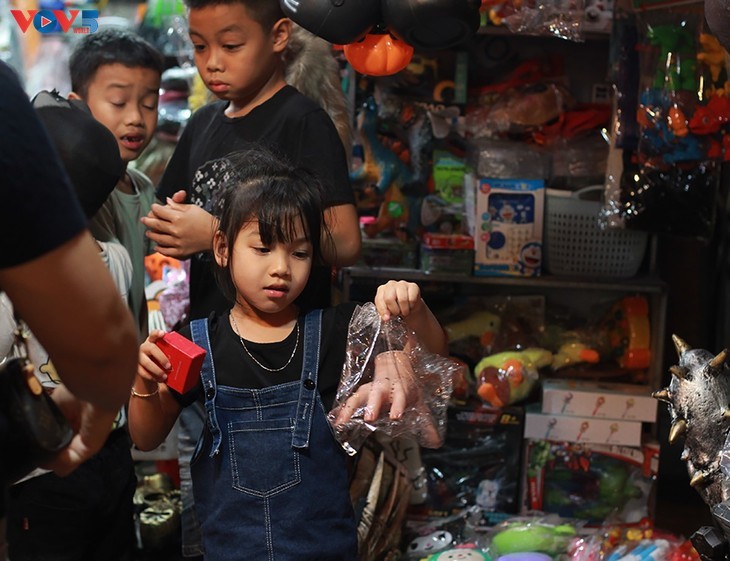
{"x":508,"y":227}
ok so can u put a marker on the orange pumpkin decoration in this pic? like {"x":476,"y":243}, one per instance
{"x":378,"y":54}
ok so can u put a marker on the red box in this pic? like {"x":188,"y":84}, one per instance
{"x":186,"y":359}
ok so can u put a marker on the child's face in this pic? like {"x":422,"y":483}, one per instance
{"x":267,"y":278}
{"x":236,"y":58}
{"x":124,"y":100}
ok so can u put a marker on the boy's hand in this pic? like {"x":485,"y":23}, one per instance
{"x":179,"y":229}
{"x":396,"y":298}
{"x":153,"y":364}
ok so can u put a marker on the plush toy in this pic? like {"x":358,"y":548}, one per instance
{"x":465,"y":553}
{"x":430,"y":544}
{"x":508,"y":377}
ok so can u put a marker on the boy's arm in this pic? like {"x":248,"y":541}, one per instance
{"x":344,"y":247}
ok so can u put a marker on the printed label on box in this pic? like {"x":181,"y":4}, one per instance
{"x":599,"y":400}
{"x":582,"y":429}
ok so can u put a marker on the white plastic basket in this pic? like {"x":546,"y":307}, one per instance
{"x":576,"y":245}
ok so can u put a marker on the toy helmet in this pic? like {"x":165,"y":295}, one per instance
{"x":337,"y":21}
{"x":431,"y":24}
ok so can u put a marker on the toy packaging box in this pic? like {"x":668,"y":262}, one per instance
{"x":588,"y":430}
{"x":186,"y":359}
{"x":479,"y":463}
{"x":508,"y":226}
{"x":590,"y":482}
{"x":599,"y":400}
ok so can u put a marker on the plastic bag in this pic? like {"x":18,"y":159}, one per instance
{"x":386,"y":358}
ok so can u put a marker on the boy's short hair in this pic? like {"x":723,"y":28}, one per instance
{"x":110,"y":46}
{"x":265,"y":12}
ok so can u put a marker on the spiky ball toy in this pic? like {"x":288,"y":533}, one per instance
{"x":698,"y":396}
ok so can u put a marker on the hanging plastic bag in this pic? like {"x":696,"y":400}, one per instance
{"x":385,"y":364}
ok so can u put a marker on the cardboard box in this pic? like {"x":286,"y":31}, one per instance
{"x":508,"y":227}
{"x":186,"y":359}
{"x":548,"y":426}
{"x":592,"y":482}
{"x":601,"y":400}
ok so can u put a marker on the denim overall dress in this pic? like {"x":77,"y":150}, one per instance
{"x":270,"y":480}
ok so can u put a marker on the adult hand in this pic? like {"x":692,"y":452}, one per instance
{"x":91,"y":426}
{"x":179,"y":229}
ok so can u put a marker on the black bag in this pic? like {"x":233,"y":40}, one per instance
{"x":36,"y":429}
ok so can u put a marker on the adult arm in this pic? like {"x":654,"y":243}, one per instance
{"x":70,"y":302}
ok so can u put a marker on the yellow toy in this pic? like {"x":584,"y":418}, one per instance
{"x":508,"y":377}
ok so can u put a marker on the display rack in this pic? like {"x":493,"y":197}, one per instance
{"x":648,"y":285}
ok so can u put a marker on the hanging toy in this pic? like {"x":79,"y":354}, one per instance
{"x":378,"y":54}
{"x":432,"y":24}
{"x":338,"y":21}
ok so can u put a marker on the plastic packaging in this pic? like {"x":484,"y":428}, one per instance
{"x":385,"y":362}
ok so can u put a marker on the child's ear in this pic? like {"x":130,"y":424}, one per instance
{"x":73,"y":95}
{"x":280,"y":34}
{"x":220,"y":249}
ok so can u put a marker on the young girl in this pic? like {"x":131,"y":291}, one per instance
{"x":269,"y":479}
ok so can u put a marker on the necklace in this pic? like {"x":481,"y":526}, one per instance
{"x":296,"y":345}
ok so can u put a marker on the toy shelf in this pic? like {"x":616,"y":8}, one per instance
{"x":436,"y":285}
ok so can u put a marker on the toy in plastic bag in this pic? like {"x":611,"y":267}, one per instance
{"x":386,"y":363}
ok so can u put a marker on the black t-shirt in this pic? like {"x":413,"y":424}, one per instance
{"x":290,"y":124}
{"x":235,"y":368}
{"x":39,"y":210}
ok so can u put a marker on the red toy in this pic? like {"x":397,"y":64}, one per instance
{"x":186,"y":360}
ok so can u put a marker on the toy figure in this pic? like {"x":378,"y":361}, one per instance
{"x":698,"y":397}
{"x":508,"y":377}
{"x":411,"y":124}
{"x":384,"y":173}
{"x":712,"y":56}
{"x":674,"y":43}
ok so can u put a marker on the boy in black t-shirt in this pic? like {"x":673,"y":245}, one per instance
{"x":238,"y":52}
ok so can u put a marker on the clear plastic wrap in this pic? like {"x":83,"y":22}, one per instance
{"x":385,"y":363}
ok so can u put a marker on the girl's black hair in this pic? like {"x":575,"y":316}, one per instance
{"x":110,"y":45}
{"x":266,"y":188}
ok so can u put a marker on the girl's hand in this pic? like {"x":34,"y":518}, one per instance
{"x":398,"y":298}
{"x":153,"y":364}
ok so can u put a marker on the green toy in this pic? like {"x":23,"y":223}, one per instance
{"x":521,"y":537}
